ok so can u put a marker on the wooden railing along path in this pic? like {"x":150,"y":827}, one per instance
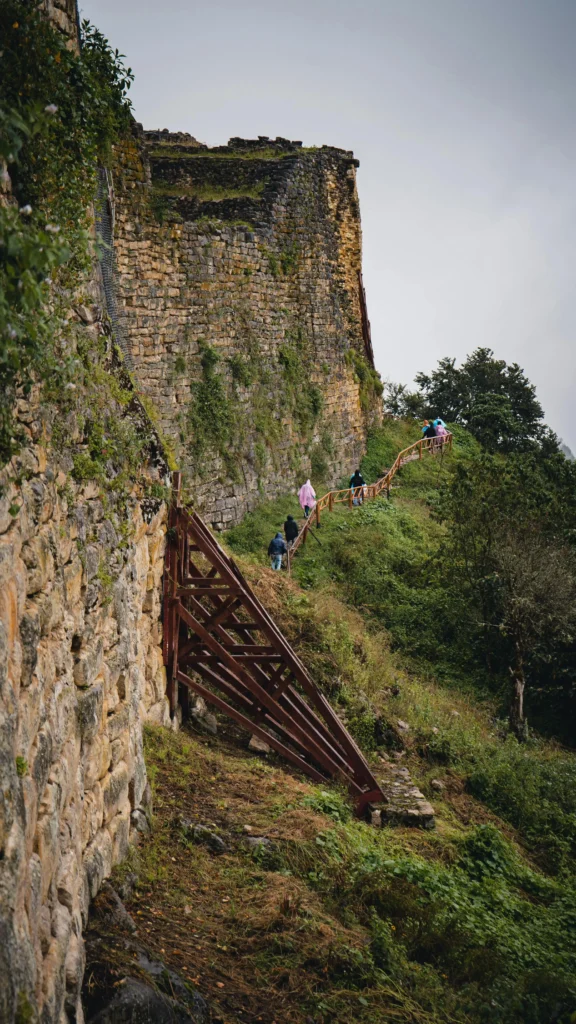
{"x":432,"y":445}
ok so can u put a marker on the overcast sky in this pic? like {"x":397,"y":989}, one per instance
{"x":461,"y":113}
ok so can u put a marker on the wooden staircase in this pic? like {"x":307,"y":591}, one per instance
{"x":221,"y":643}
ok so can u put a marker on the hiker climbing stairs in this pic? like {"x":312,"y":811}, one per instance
{"x":427,"y":446}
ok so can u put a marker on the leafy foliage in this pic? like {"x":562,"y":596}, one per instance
{"x":509,"y":555}
{"x":211,"y":421}
{"x":60,"y":115}
{"x":371,"y":387}
{"x":496,"y":402}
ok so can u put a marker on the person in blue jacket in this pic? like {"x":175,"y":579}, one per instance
{"x":277,"y":549}
{"x":356,"y":484}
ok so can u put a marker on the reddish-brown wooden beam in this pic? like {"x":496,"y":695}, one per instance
{"x":320,"y":755}
{"x":217,"y":679}
{"x":231,"y":571}
{"x":280,"y":748}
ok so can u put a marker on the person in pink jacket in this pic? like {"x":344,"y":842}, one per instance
{"x":440,"y":432}
{"x":307,"y":498}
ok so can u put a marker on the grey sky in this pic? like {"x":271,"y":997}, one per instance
{"x":461,"y":113}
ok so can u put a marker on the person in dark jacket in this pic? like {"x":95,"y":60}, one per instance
{"x":430,"y":430}
{"x":357,"y":482}
{"x":276,"y":549}
{"x":290,"y":530}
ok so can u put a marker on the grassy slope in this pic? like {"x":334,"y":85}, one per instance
{"x":337,"y":921}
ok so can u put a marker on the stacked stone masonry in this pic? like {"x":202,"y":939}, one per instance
{"x":80,"y":671}
{"x":252,"y":249}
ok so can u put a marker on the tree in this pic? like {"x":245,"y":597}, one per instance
{"x":495,"y":401}
{"x":509,"y":556}
{"x":399,"y":401}
{"x":536,"y":610}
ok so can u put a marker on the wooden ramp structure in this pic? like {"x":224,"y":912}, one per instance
{"x":221,"y":643}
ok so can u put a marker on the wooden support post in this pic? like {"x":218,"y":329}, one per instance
{"x":350,"y":497}
{"x":420,"y":449}
{"x":317,"y":510}
{"x":331,"y":501}
{"x":177,"y":487}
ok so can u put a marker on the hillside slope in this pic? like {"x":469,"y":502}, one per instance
{"x":311,"y":916}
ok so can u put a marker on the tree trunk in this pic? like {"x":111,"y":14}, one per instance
{"x":517,"y":719}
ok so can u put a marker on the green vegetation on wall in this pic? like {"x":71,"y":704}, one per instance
{"x":371,"y":387}
{"x":211,"y":422}
{"x":60,"y":115}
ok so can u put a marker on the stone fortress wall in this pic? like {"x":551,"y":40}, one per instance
{"x":252,"y":252}
{"x":236,"y":280}
{"x":80,"y":672}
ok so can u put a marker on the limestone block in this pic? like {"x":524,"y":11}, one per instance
{"x":51,"y":608}
{"x":156,"y":540}
{"x":89,"y":711}
{"x":33,"y":895}
{"x":118,"y":724}
{"x":74,"y":972}
{"x":53,"y":971}
{"x":31,"y":801}
{"x":92,"y":560}
{"x":29,"y":638}
{"x":64,"y":545}
{"x":48,"y":849}
{"x":68,"y":881}
{"x":138,"y":781}
{"x":121,"y":604}
{"x":41,"y":758}
{"x":44,"y":928}
{"x":89,"y":664}
{"x":39,"y":561}
{"x":96,"y":761}
{"x":97,"y":862}
{"x":92,"y":814}
{"x":73,"y":582}
{"x":119,"y":828}
{"x":115,"y":790}
{"x":159,"y":713}
{"x":159,"y":683}
{"x":119,"y":750}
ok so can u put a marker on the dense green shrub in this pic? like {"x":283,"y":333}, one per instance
{"x":486,"y":936}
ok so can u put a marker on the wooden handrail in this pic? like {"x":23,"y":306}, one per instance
{"x":327,"y":501}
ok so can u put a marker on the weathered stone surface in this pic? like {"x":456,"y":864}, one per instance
{"x":261,"y":281}
{"x":405,"y":804}
{"x":72,"y":704}
{"x":137,"y":1003}
{"x":90,"y":706}
{"x":258,"y":745}
{"x":202,"y":834}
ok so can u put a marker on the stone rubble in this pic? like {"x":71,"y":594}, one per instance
{"x":405,"y":804}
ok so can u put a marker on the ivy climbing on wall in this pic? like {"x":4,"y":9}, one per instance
{"x":60,"y":115}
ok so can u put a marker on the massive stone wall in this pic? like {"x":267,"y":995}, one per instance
{"x":235,"y":298}
{"x":80,"y":671}
{"x":238,"y":296}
